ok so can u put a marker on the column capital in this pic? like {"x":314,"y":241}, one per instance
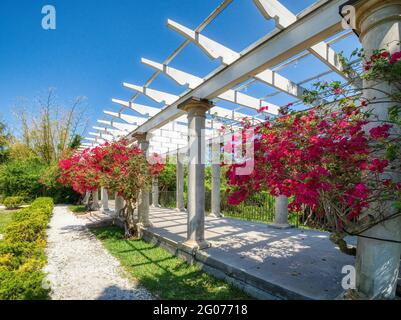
{"x":371,"y":13}
{"x":196,"y":106}
{"x":141,"y":136}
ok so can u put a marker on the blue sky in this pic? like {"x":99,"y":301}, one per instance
{"x":98,"y":45}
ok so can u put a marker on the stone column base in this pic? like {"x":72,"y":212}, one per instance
{"x":280,"y":225}
{"x":216,"y":215}
{"x":195,"y":245}
{"x":180,"y":210}
{"x":145,"y":225}
{"x":351,"y":295}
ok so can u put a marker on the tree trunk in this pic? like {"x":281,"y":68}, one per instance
{"x":130,"y":222}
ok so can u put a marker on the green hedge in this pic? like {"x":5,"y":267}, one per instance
{"x":13,"y":202}
{"x":22,"y":253}
{"x":31,"y":179}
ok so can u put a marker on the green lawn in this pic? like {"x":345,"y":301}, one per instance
{"x":164,"y":275}
{"x":5,"y":218}
{"x":77,"y":209}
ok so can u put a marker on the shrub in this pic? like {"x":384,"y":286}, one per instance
{"x":22,"y":285}
{"x":55,"y":189}
{"x":28,"y":230}
{"x":21,"y":178}
{"x":13,"y":202}
{"x":22,"y":253}
{"x":31,"y":178}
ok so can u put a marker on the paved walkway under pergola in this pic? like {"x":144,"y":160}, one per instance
{"x":289,"y":264}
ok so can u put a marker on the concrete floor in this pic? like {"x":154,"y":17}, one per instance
{"x":291,"y":264}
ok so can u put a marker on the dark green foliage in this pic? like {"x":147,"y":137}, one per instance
{"x":21,"y":178}
{"x":31,"y":178}
{"x":5,"y":137}
{"x":75,"y":142}
{"x":54,"y":189}
{"x":78,"y":209}
{"x":167,"y":178}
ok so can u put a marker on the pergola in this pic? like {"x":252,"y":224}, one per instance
{"x":189,"y":122}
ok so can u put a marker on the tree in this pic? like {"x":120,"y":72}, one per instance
{"x":119,"y":167}
{"x":51,"y":128}
{"x":5,"y":138}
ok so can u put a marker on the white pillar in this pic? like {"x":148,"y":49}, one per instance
{"x":118,"y":205}
{"x":85,"y":200}
{"x":180,"y":182}
{"x":155,"y":192}
{"x":143,"y":198}
{"x":196,"y":110}
{"x":281,"y":213}
{"x":377,"y":263}
{"x":95,"y":198}
{"x":215,"y":205}
{"x":105,"y":200}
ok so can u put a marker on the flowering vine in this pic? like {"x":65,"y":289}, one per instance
{"x":336,"y":158}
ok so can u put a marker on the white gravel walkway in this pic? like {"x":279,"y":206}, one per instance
{"x":80,"y":268}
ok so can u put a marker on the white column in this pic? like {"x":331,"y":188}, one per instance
{"x":95,"y":198}
{"x":118,"y":205}
{"x":180,"y":182}
{"x":105,"y":200}
{"x":215,"y":157}
{"x":143,"y":198}
{"x":281,"y":213}
{"x":196,"y":172}
{"x":377,"y":263}
{"x":85,"y":200}
{"x":155,"y":192}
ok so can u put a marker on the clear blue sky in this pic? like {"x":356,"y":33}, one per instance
{"x":98,"y":44}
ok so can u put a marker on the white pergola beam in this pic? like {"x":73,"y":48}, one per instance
{"x":212,"y":48}
{"x":184,"y":78}
{"x":312,"y":26}
{"x":158,"y":96}
{"x":269,"y":77}
{"x":127,"y":118}
{"x":142,"y":109}
{"x":125,"y":104}
{"x":117,"y":133}
{"x":273,"y":9}
{"x":119,"y":126}
{"x":146,"y":111}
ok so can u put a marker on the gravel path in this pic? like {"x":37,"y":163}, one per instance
{"x":80,"y":268}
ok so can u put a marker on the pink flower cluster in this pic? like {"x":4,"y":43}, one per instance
{"x":84,"y":171}
{"x":305,"y":155}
